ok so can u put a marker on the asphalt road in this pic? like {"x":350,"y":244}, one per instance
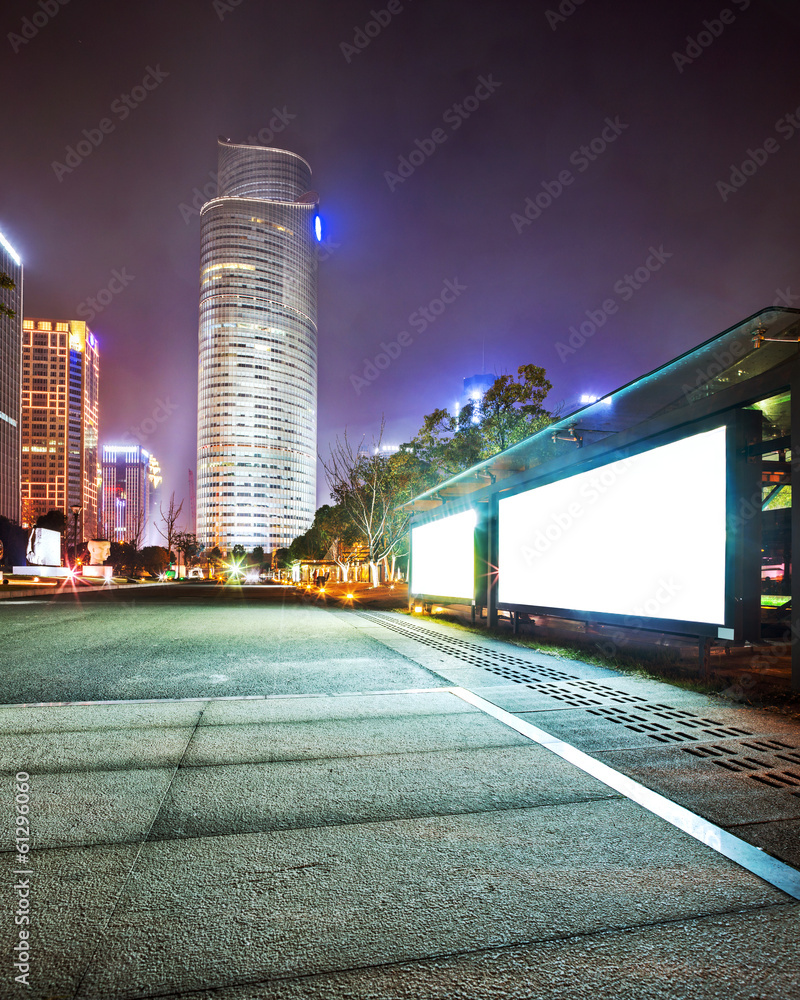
{"x":412,"y":843}
{"x":189,"y":642}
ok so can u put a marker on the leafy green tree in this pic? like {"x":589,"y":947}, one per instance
{"x":55,"y":520}
{"x":281,"y":559}
{"x":124,"y":558}
{"x":186,"y":543}
{"x":447,"y":444}
{"x":154,"y":559}
{"x":7,"y":282}
{"x":257,"y":555}
{"x":511,"y":410}
{"x":238,"y":553}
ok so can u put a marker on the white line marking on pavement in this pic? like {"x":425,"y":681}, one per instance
{"x":781,"y":875}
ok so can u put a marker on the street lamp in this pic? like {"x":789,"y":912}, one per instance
{"x":76,"y":509}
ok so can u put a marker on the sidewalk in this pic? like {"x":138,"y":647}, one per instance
{"x":405,"y":844}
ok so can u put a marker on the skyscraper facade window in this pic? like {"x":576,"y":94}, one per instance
{"x":257,"y":371}
{"x":10,"y":381}
{"x":129,"y":476}
{"x":60,"y":381}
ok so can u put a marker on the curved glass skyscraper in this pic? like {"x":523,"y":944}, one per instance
{"x":257,"y":400}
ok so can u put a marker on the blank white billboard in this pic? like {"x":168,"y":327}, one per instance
{"x":643,"y":536}
{"x":443,"y":557}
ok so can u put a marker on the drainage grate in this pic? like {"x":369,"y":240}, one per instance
{"x":759,"y":759}
{"x":684,"y":726}
{"x":505,"y":665}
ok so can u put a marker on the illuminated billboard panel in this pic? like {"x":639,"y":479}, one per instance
{"x":644,"y":536}
{"x":443,"y":557}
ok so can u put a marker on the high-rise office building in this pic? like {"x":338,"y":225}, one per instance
{"x":130,"y":477}
{"x":60,"y":375}
{"x":475,"y":388}
{"x":257,"y":381}
{"x":10,"y":381}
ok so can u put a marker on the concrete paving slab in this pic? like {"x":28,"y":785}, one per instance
{"x":657,"y":692}
{"x":91,"y":807}
{"x":258,"y":797}
{"x":258,"y":743}
{"x":307,"y":709}
{"x":586,"y":731}
{"x":78,"y":718}
{"x":781,"y":839}
{"x":707,"y":959}
{"x":623,"y":727}
{"x":724,"y":797}
{"x":73,"y":892}
{"x":311,"y":901}
{"x":100,"y":749}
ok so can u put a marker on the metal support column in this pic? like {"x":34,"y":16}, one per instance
{"x":491,"y":567}
{"x":795,"y":535}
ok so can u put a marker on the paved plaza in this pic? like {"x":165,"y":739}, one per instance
{"x":239,"y":799}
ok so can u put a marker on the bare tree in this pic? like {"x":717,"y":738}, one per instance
{"x":170,"y":520}
{"x":371,"y":486}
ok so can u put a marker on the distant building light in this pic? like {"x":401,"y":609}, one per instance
{"x":595,"y":399}
{"x":318,"y":228}
{"x":11,"y":251}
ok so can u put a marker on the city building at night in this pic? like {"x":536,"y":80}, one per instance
{"x":257,"y":369}
{"x":130,"y":479}
{"x":10,"y":382}
{"x":475,"y":388}
{"x":60,"y":376}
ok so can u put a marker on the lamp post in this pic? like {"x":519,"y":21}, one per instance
{"x":76,"y":509}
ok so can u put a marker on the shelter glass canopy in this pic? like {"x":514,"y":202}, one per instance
{"x":764,"y":342}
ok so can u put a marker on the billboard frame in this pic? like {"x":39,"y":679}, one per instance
{"x":743,"y":535}
{"x":479,"y":583}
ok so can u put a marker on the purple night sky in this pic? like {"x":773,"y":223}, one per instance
{"x":664,"y":106}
